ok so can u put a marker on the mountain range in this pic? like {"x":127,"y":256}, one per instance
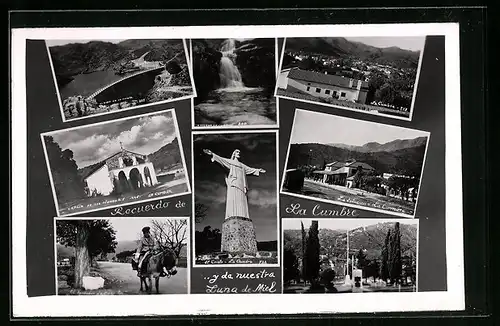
{"x":399,"y":156}
{"x":340,"y":47}
{"x":371,"y":238}
{"x":391,"y":146}
{"x":82,"y":58}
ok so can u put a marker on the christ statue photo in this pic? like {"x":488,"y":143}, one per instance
{"x":235,"y":200}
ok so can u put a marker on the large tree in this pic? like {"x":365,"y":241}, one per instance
{"x":384,"y":271}
{"x":200,"y":212}
{"x":394,"y":259}
{"x":304,"y":241}
{"x":89,"y":238}
{"x":64,"y":171}
{"x":170,"y":234}
{"x":312,"y":253}
{"x":290,"y":264}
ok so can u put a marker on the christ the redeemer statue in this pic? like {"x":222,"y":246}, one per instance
{"x":238,"y":234}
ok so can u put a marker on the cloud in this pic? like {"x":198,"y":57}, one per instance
{"x":211,"y":192}
{"x":95,"y":143}
{"x":261,"y":197}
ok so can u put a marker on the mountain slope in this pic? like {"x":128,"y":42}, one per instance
{"x":167,"y":157}
{"x":391,"y":146}
{"x":341,"y":47}
{"x":406,"y":160}
{"x":371,"y":238}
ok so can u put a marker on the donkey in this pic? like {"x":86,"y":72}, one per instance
{"x":157,"y":265}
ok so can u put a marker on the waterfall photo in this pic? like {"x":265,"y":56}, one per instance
{"x":235,"y":81}
{"x":95,"y":77}
{"x":235,"y":198}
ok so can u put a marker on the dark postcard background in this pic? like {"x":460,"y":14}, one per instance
{"x":428,"y":115}
{"x":43,"y":115}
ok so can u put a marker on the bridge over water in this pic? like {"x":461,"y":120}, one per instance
{"x":131,"y":85}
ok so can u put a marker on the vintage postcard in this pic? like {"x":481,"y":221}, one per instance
{"x":377,"y":75}
{"x":235,"y":81}
{"x":355,"y":163}
{"x":116,"y":163}
{"x":119,"y":256}
{"x":235,"y":198}
{"x":330,"y":255}
{"x":100,"y":76}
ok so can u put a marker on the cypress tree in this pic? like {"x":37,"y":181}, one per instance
{"x":395,"y":254}
{"x":304,"y":239}
{"x":312,"y":253}
{"x":384,"y":268}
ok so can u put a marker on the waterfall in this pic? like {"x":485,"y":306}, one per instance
{"x":230,"y":76}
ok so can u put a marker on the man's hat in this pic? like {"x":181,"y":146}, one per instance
{"x":145,"y":229}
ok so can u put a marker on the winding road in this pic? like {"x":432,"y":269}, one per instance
{"x":124,"y":279}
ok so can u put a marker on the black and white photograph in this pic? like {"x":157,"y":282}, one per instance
{"x":235,"y":81}
{"x":95,"y":77}
{"x":235,"y":198}
{"x":376,"y":75}
{"x":349,"y":255}
{"x":355,"y":163}
{"x":115,"y":163}
{"x":122,"y":256}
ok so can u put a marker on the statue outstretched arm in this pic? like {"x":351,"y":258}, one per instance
{"x":253,"y":171}
{"x":219,"y":159}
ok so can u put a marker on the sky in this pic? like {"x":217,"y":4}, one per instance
{"x":258,"y":150}
{"x":333,"y":129}
{"x":129,"y":229}
{"x":413,"y":43}
{"x":64,"y":42}
{"x":143,"y":135}
{"x":338,"y":224}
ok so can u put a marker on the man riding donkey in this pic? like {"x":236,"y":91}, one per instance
{"x":147,"y":247}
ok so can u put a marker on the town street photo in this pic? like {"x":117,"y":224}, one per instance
{"x":116,"y":163}
{"x":235,"y":81}
{"x":349,"y":255}
{"x":355,"y":163}
{"x":235,"y":198}
{"x":377,"y":75}
{"x":133,"y":255}
{"x":95,"y":77}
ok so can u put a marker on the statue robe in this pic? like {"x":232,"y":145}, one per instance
{"x":237,"y":187}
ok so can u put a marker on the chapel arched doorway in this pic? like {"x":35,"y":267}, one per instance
{"x":135,"y":179}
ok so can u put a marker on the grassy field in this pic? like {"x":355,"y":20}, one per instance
{"x":317,"y":190}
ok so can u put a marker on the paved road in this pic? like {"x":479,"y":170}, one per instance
{"x":125,"y":279}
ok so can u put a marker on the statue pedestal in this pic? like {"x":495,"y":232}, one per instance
{"x":238,"y":236}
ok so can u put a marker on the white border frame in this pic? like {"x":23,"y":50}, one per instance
{"x":244,"y":127}
{"x":337,"y":106}
{"x":375,"y":221}
{"x":177,"y":135}
{"x":330,"y":201}
{"x":278,"y":233}
{"x":188,"y":246}
{"x":453,"y":299}
{"x":64,"y":119}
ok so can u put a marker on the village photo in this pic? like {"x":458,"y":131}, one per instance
{"x":235,"y":81}
{"x":355,"y":163}
{"x":133,"y":255}
{"x":377,"y":75}
{"x":116,"y":163}
{"x":349,"y":255}
{"x":96,"y":77}
{"x":235,"y":198}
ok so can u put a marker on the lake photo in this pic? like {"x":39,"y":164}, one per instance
{"x":96,"y":77}
{"x":235,"y":81}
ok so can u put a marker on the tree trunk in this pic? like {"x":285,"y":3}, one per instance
{"x":82,"y":259}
